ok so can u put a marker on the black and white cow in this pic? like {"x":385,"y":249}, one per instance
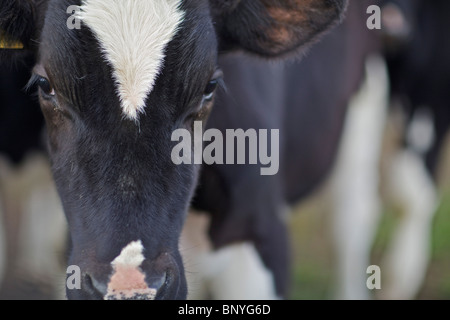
{"x":308,"y":101}
{"x":419,"y":69}
{"x":112,"y":93}
{"x":417,"y":50}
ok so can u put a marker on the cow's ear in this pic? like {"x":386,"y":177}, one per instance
{"x":18,"y":28}
{"x":274,"y":27}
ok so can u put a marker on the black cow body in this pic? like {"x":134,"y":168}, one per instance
{"x":21,"y":121}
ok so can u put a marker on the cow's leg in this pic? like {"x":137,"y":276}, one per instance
{"x":233,"y":272}
{"x":194,"y":248}
{"x":407,"y":258}
{"x":43,"y":228}
{"x":37,"y":229}
{"x":5,"y":238}
{"x":241,"y":274}
{"x":2,"y":244}
{"x":356,"y":183}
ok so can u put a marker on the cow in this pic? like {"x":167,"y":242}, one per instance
{"x":113,"y":91}
{"x":416,"y":50}
{"x":245,"y":213}
{"x":419,"y":70}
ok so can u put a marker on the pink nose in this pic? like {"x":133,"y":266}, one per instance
{"x":129,"y":283}
{"x":128,"y":280}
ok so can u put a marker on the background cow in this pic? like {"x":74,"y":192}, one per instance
{"x":412,"y":85}
{"x":417,"y":51}
{"x":307,"y":100}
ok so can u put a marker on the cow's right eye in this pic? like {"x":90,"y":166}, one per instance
{"x":43,"y":83}
{"x":45,"y":86}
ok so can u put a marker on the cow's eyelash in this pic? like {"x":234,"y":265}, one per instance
{"x":220,"y":81}
{"x":46,"y":88}
{"x":32,"y":83}
{"x":221,"y":84}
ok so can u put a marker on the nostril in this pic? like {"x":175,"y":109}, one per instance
{"x":134,"y":284}
{"x":94,"y":288}
{"x":163,"y":285}
{"x":158,"y":283}
{"x":126,"y":287}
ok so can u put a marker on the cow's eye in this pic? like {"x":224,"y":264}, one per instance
{"x":212,"y":85}
{"x":45,"y":86}
{"x":210,"y":89}
{"x":43,"y":83}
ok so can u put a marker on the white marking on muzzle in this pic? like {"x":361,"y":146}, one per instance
{"x":133,"y":35}
{"x":128,"y":280}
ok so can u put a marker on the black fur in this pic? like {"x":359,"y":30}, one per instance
{"x":15,"y":18}
{"x":256,"y":27}
{"x":420,"y":67}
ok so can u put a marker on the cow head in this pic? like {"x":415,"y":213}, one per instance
{"x":113,"y":91}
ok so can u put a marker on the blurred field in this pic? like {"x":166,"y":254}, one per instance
{"x":313,"y":261}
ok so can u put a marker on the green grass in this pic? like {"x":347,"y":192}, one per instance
{"x":441,"y":229}
{"x":437,"y":284}
{"x":312,"y":282}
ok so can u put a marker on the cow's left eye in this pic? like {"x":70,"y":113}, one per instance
{"x":210,"y":89}
{"x":212,"y":85}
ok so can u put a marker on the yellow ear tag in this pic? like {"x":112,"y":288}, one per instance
{"x":9,"y":44}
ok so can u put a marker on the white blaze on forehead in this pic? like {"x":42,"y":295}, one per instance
{"x":133,"y":35}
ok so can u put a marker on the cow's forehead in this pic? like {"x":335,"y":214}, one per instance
{"x":133,"y":35}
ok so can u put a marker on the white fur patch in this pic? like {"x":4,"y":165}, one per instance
{"x":133,"y":35}
{"x":407,"y":258}
{"x":235,"y":272}
{"x":131,"y":255}
{"x":421,"y":134}
{"x":356,"y":181}
{"x":238,"y":273}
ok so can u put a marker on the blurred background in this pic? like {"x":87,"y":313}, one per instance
{"x":417,"y":51}
{"x":314,"y":271}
